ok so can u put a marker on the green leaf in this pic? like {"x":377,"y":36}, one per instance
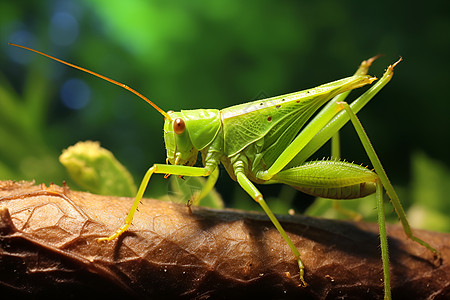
{"x":96,"y":170}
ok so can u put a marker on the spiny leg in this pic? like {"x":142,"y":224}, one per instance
{"x":250,"y":188}
{"x":161,"y":169}
{"x":376,"y":163}
{"x":383,"y":241}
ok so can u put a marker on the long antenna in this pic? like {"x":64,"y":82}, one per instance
{"x":100,"y":76}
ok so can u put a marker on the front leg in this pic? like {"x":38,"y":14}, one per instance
{"x":159,"y":169}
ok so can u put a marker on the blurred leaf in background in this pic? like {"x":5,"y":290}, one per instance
{"x":96,"y":170}
{"x":214,"y":54}
{"x":429,"y":194}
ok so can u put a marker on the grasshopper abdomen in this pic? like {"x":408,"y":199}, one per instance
{"x":330,"y":179}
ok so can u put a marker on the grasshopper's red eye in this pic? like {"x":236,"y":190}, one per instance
{"x":179,"y":126}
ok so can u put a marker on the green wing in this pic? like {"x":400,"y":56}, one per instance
{"x":274,"y":122}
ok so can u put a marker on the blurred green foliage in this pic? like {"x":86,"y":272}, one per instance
{"x":214,"y":54}
{"x":96,"y":170}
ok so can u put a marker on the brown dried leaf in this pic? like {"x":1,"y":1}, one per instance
{"x":48,"y":247}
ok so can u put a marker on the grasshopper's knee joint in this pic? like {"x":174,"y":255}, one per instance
{"x":264,"y":175}
{"x":342,"y":104}
{"x":259,"y":198}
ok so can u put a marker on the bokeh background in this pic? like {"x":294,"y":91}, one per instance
{"x":214,"y":54}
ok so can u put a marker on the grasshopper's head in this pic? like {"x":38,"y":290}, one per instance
{"x":180,"y":150}
{"x":188,"y":132}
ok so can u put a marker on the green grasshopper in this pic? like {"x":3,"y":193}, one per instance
{"x":268,"y":141}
